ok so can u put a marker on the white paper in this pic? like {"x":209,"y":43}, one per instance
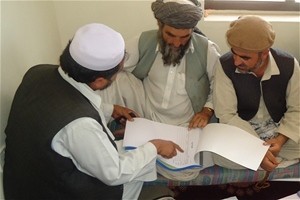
{"x":228,"y":141}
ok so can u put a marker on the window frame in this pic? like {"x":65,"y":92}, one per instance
{"x":287,"y":5}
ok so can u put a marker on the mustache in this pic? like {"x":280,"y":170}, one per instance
{"x":170,"y":54}
{"x":241,"y":66}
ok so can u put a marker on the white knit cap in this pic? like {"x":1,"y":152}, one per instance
{"x":97,"y":47}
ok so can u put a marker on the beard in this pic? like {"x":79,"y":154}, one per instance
{"x":170,"y":54}
{"x":245,"y":68}
{"x":258,"y":65}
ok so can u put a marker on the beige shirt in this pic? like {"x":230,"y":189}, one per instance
{"x":225,"y":102}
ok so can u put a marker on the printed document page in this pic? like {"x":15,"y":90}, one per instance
{"x":228,"y":141}
{"x":142,"y":130}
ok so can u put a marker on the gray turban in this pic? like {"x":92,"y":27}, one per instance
{"x":177,"y":14}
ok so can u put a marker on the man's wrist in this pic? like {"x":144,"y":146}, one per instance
{"x":281,"y":139}
{"x":208,"y":111}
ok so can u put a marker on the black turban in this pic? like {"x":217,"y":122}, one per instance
{"x":176,"y":14}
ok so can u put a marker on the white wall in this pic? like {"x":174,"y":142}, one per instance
{"x":132,"y":17}
{"x":127,"y":17}
{"x":34,"y":32}
{"x":29,"y":36}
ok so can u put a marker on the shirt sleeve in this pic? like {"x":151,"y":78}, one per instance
{"x":212,"y":61}
{"x":132,"y":48}
{"x":88,"y":146}
{"x":225,"y":102}
{"x":107,"y":110}
{"x":290,"y":122}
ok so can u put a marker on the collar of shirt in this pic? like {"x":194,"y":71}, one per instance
{"x":83,"y":88}
{"x":272,"y":69}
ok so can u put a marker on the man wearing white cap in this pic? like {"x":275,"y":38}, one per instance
{"x":261,"y":86}
{"x":58,"y":145}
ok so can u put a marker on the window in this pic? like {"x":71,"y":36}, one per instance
{"x":266,"y":5}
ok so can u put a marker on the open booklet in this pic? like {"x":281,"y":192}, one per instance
{"x":228,"y":141}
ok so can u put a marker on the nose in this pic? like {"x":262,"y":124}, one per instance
{"x":237,"y":60}
{"x":176,"y":42}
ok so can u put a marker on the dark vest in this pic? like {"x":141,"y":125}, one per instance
{"x":43,"y":104}
{"x":247,"y":86}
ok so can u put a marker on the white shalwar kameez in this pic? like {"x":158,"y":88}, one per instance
{"x":88,"y":146}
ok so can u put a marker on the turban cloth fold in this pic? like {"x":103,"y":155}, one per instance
{"x":177,"y":15}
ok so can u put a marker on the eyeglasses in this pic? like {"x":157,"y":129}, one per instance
{"x":126,"y":56}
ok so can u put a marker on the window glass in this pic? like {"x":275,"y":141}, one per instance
{"x":267,"y":5}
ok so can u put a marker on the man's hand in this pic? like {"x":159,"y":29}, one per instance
{"x":166,"y":149}
{"x":269,"y":162}
{"x":201,"y":119}
{"x":122,"y":114}
{"x":276,"y":143}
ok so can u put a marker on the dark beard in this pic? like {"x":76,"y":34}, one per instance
{"x":170,"y":55}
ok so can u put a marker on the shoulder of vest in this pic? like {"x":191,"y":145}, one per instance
{"x":43,"y":67}
{"x":146,"y":45}
{"x":226,"y":56}
{"x":200,"y":41}
{"x":227,"y":63}
{"x":226,"y":59}
{"x":149,"y":32}
{"x":39,"y":72}
{"x":147,"y":38}
{"x":199,"y":36}
{"x":278,"y":52}
{"x":284,"y":61}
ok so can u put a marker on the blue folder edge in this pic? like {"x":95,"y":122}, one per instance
{"x":160,"y":163}
{"x":129,"y":148}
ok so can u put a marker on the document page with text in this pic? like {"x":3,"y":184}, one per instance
{"x":228,"y":141}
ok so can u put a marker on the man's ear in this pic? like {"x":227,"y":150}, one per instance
{"x":99,"y":83}
{"x":265,"y":53}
